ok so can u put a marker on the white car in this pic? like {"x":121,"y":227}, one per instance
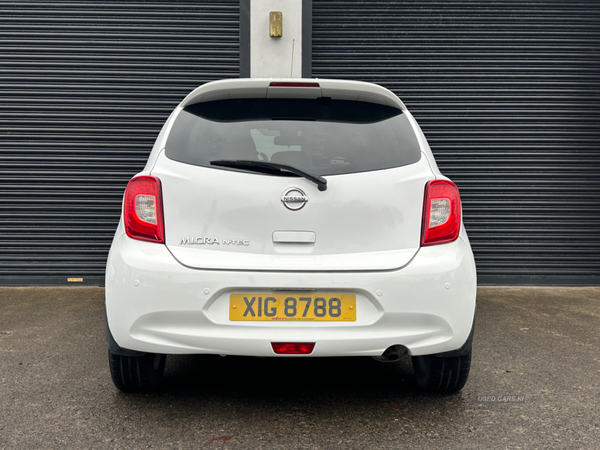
{"x":291,"y":218}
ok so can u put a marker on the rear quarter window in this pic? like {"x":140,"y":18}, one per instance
{"x":321,"y":136}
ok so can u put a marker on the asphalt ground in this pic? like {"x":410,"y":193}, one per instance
{"x":534,"y":384}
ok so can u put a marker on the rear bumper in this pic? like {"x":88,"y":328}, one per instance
{"x":154,"y":304}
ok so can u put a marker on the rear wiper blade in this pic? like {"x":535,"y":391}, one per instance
{"x":253,"y":165}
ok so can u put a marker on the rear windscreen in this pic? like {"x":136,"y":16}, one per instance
{"x":321,"y":136}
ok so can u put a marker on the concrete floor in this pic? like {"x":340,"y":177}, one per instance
{"x":540,"y":345}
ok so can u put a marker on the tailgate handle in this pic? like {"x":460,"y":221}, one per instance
{"x":294,"y":237}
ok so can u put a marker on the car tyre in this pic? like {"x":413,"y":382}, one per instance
{"x":137,"y":373}
{"x":442,"y":374}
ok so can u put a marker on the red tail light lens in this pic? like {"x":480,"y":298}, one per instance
{"x":441,"y":213}
{"x":143,"y":211}
{"x":293,"y":348}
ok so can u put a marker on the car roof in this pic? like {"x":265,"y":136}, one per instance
{"x":292,"y":88}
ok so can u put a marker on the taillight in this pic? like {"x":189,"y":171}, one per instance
{"x":441,"y":213}
{"x":293,"y":348}
{"x":142,"y":210}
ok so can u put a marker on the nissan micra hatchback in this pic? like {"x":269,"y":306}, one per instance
{"x":291,"y":218}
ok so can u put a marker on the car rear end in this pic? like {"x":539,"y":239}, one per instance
{"x":279,"y":217}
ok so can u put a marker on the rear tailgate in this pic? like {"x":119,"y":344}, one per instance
{"x":233,"y":220}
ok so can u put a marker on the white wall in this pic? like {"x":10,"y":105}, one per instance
{"x":272,"y":57}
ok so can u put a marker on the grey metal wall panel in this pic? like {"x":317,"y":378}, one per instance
{"x":84,"y":88}
{"x":508,"y":93}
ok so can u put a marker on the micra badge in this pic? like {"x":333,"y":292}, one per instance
{"x":212,"y":241}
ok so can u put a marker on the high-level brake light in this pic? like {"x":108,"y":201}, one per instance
{"x":293,"y":84}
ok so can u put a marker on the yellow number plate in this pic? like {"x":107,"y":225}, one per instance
{"x":293,"y":306}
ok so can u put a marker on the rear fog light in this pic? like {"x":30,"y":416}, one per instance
{"x":293,"y":348}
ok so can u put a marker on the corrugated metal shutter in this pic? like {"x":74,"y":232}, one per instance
{"x":85,"y":87}
{"x":507,"y":93}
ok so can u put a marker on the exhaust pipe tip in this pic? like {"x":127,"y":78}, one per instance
{"x":392,"y":354}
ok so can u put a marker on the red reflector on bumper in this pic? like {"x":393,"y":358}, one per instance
{"x":293,"y":348}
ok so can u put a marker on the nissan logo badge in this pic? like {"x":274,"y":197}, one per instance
{"x":294,"y":199}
